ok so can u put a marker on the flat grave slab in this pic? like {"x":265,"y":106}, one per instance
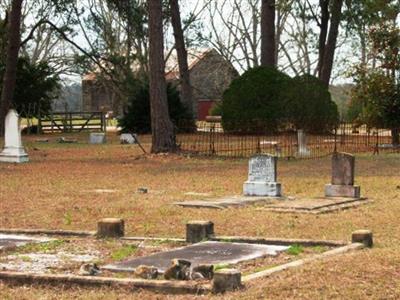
{"x":201,"y":253}
{"x":316,"y":205}
{"x":12,"y":240}
{"x":226,"y":202}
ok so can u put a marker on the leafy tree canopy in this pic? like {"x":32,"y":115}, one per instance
{"x":310,"y":105}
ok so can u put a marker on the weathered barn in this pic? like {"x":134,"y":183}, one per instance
{"x":210,"y":76}
{"x":98,"y":96}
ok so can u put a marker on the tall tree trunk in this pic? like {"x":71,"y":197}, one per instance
{"x":163,"y":137}
{"x":10,"y":74}
{"x":329,"y":52}
{"x":363,"y":45}
{"x":324,"y":6}
{"x":268,"y":33}
{"x":396,"y":137}
{"x":186,"y":88}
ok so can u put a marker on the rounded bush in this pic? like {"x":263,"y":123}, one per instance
{"x":310,"y":106}
{"x":255,"y":101}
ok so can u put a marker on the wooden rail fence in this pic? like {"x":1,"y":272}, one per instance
{"x":72,"y":122}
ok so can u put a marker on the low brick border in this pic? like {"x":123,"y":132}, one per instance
{"x":163,"y":286}
{"x":155,"y":239}
{"x":360,"y":239}
{"x":300,"y":262}
{"x":277,"y":241}
{"x":318,"y":211}
{"x":58,"y":232}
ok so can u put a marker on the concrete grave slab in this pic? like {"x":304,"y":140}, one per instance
{"x":227,"y":202}
{"x":12,"y":240}
{"x":196,"y":194}
{"x":201,"y":253}
{"x":316,"y":205}
{"x":44,"y":262}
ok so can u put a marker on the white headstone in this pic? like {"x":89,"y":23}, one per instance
{"x":128,"y":138}
{"x":13,"y":150}
{"x":262,"y":179}
{"x":302,"y":144}
{"x":97,"y":138}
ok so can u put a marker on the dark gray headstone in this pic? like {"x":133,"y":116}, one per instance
{"x":343,"y":165}
{"x":207,"y":253}
{"x":343,"y":177}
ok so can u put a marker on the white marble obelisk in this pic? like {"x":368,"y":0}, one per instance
{"x":13,"y":151}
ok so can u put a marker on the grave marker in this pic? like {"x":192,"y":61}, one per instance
{"x":262,"y":179}
{"x":128,"y":139}
{"x":342,"y":185}
{"x":302,"y":144}
{"x":97,"y":138}
{"x":13,"y":151}
{"x":205,"y":253}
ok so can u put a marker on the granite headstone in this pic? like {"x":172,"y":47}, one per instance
{"x":342,"y":184}
{"x":262,"y":180}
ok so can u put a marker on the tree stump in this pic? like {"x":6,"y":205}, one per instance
{"x":197,"y":231}
{"x":226,"y":280}
{"x":110,"y":227}
{"x":363,"y":236}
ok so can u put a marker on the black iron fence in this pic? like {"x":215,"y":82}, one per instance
{"x":211,"y":139}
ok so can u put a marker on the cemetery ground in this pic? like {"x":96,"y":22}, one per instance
{"x":72,"y":186}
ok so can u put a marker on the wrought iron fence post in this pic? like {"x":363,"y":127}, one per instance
{"x":343,"y":135}
{"x":212,"y":141}
{"x":103,"y":122}
{"x":71,"y":126}
{"x":335,"y":145}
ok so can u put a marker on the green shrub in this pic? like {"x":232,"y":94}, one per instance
{"x":295,"y":249}
{"x":136,"y":117}
{"x":255,"y":101}
{"x":37,"y":86}
{"x":310,"y":106}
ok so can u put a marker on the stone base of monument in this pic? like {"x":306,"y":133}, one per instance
{"x":350,"y":191}
{"x":14,"y":155}
{"x":315,"y":205}
{"x":228,"y":202}
{"x":262,"y":189}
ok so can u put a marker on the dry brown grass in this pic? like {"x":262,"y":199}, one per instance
{"x":56,"y":190}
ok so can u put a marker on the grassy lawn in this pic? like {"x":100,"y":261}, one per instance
{"x":59,"y":189}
